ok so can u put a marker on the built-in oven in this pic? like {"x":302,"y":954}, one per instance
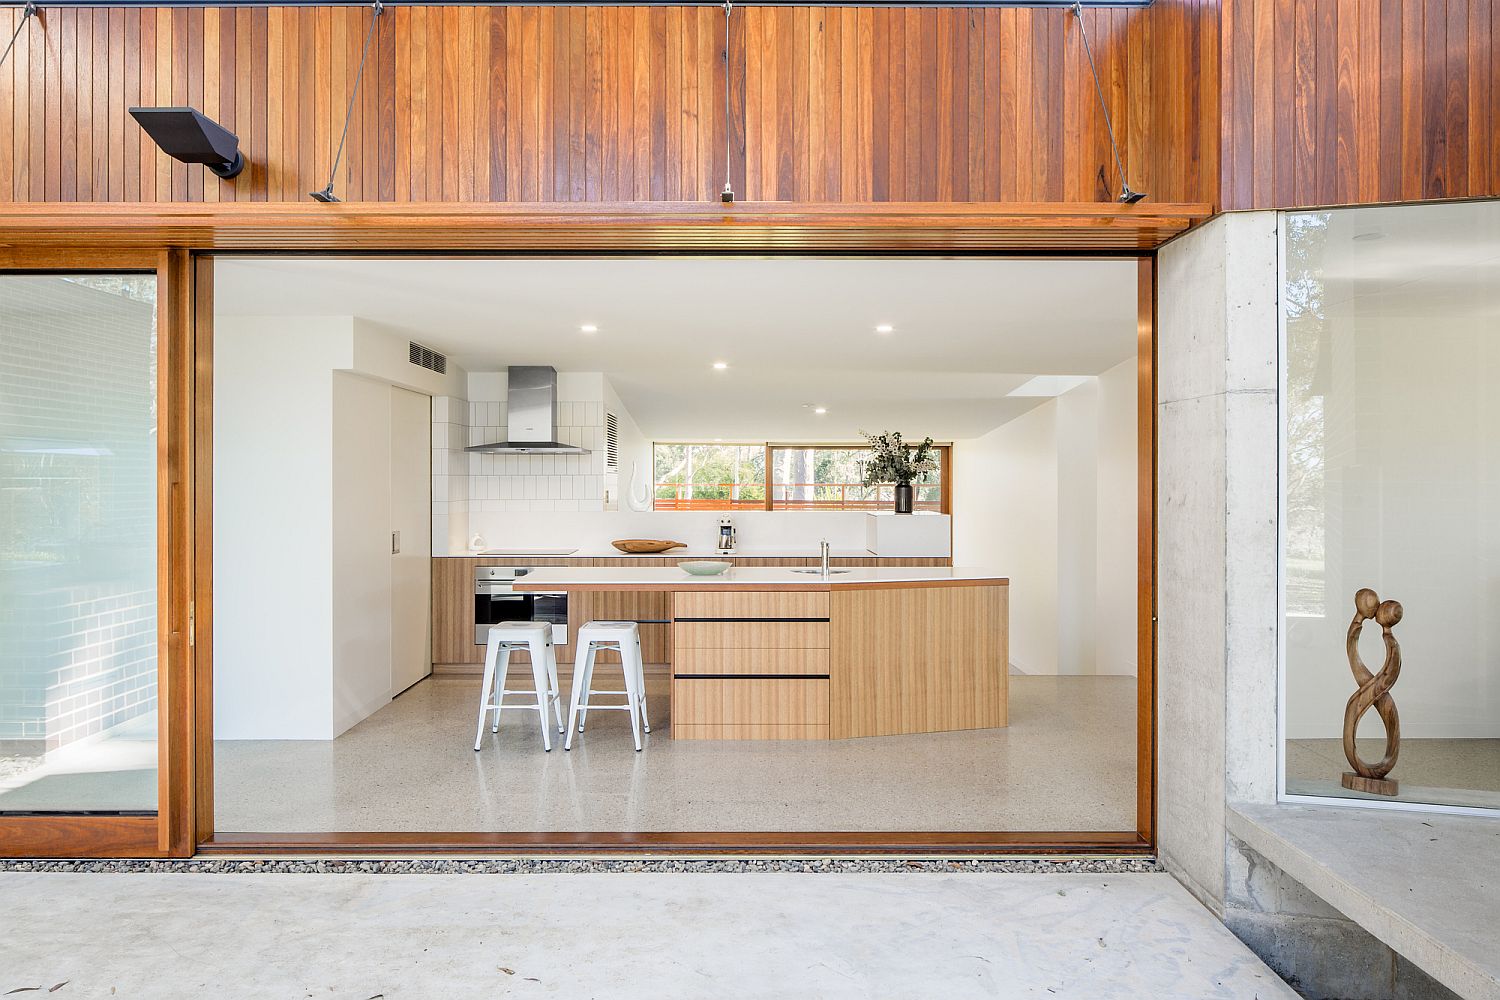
{"x":496,"y":600}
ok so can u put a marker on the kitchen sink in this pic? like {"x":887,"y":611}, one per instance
{"x":819,"y":572}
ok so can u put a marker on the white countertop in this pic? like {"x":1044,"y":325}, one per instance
{"x":613,"y":553}
{"x":748,"y":577}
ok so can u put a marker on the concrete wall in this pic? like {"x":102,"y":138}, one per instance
{"x":1320,"y":951}
{"x":1216,"y":551}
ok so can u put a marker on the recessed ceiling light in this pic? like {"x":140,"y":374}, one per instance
{"x":720,"y":365}
{"x":885,"y":328}
{"x":589,"y":328}
{"x":820,"y":409}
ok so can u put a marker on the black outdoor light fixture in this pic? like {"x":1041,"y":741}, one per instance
{"x":188,"y":135}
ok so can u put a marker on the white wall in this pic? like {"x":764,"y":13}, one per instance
{"x":361,"y":558}
{"x":760,"y":531}
{"x":289,"y":476}
{"x":273,"y":474}
{"x":1005,"y":515}
{"x":1117,"y":537}
{"x":1078,"y":420}
{"x":633,"y":482}
{"x":1050,"y":499}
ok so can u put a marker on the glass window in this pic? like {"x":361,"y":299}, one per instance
{"x":832,"y":478}
{"x":77,"y":543}
{"x":813,"y":477}
{"x":710,"y":476}
{"x":1391,"y":324}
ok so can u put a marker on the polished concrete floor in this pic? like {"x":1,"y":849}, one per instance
{"x":1438,"y":771}
{"x":621,"y":936}
{"x":1066,"y":763}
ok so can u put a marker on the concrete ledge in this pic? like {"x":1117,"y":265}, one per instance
{"x":1425,"y":884}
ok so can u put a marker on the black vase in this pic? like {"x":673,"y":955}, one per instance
{"x":903,"y":498}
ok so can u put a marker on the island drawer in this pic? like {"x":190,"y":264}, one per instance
{"x":731,"y":635}
{"x":774,"y":702}
{"x":733,"y":605}
{"x":750,"y":662}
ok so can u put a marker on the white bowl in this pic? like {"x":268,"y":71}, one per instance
{"x":704,"y":567}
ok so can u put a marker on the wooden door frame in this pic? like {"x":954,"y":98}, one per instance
{"x":180,"y":241}
{"x":168,"y":833}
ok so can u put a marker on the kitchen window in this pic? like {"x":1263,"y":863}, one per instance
{"x":770,"y":476}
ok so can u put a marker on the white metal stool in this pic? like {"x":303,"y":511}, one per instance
{"x":626,"y":638}
{"x":536,"y":639}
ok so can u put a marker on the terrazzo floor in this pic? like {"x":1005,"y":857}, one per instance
{"x":622,"y":936}
{"x":1067,"y":762}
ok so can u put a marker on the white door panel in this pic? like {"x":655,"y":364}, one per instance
{"x":411,"y":531}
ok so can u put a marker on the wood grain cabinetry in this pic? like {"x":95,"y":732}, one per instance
{"x":919,"y":660}
{"x":856,"y":661}
{"x":454,"y":649}
{"x":750,"y":708}
{"x":750,"y":665}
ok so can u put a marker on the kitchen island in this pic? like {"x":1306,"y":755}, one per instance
{"x":771,"y":652}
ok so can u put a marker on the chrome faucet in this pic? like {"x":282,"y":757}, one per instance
{"x":823,"y":555}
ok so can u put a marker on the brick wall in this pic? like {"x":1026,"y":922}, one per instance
{"x":78,"y":515}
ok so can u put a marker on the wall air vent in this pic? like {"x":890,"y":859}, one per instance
{"x":427,"y":358}
{"x":611,"y":442}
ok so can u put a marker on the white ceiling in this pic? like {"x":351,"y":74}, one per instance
{"x":793,"y":331}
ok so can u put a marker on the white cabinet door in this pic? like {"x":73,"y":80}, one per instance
{"x":411,"y":530}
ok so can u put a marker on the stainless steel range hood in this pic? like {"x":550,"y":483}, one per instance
{"x":531,"y":415}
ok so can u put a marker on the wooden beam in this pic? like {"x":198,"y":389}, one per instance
{"x":1037,"y":228}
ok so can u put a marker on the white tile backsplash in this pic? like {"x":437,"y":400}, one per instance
{"x":466,"y":485}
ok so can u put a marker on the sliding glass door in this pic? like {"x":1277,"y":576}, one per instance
{"x":78,"y":544}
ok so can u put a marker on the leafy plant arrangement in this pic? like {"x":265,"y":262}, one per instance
{"x":892,"y":460}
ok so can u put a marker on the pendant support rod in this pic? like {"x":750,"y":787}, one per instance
{"x":1127,"y":196}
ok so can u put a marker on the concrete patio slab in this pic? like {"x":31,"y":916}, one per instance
{"x":388,"y":937}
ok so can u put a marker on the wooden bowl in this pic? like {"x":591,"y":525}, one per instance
{"x":639,"y":546}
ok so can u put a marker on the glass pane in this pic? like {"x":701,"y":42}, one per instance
{"x":77,"y":543}
{"x":1392,"y":353}
{"x":710,"y":476}
{"x":833,"y":479}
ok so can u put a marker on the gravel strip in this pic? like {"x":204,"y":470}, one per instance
{"x":530,"y":866}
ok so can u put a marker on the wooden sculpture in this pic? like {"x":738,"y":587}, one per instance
{"x":1374,"y":691}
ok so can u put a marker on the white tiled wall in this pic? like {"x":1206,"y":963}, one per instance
{"x":538,"y":482}
{"x":450,"y":475}
{"x":465,"y":483}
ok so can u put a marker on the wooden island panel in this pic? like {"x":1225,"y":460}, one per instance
{"x":744,"y":635}
{"x":918,"y":660}
{"x":750,"y":665}
{"x":750,"y":709}
{"x":750,"y":662}
{"x":750,"y":604}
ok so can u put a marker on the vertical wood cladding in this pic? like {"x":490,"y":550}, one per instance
{"x":1334,"y":102}
{"x":619,"y":104}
